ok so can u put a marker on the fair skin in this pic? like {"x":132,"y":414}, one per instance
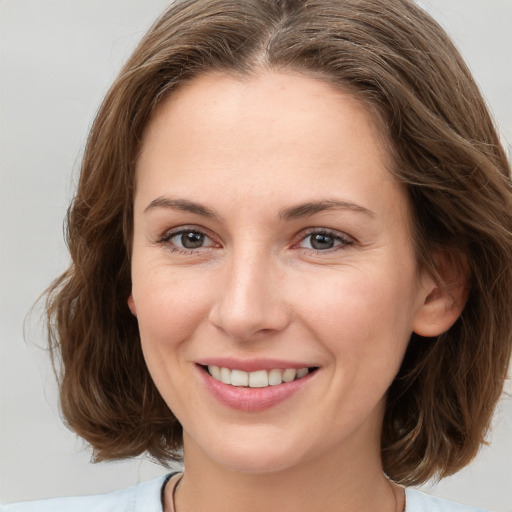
{"x":268,"y":232}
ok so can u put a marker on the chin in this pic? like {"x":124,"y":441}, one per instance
{"x":250,"y":455}
{"x":255,"y":463}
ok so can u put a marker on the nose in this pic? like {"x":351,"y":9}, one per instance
{"x":250,"y":303}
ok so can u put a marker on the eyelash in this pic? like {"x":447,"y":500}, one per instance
{"x":344,"y":240}
{"x":166,"y":238}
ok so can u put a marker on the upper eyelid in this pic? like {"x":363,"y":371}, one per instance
{"x":169,"y":233}
{"x":329,"y":231}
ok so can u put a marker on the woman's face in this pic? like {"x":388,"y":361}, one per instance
{"x":269,"y":236}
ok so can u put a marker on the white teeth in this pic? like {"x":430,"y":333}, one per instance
{"x":214,"y":371}
{"x":289,"y":374}
{"x":302,"y":372}
{"x":225,"y":375}
{"x":257,"y":379}
{"x":275,"y":377}
{"x":239,"y":378}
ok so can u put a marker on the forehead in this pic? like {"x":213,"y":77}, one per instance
{"x":272,"y":131}
{"x":282,"y":99}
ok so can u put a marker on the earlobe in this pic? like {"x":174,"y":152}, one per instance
{"x":131,"y":305}
{"x":444,"y":295}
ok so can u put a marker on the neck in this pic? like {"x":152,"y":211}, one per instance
{"x":340,"y":481}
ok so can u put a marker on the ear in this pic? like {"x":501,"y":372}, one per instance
{"x":444,"y":294}
{"x":131,"y":305}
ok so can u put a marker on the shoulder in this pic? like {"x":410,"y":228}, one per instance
{"x":417,"y":501}
{"x":144,"y":497}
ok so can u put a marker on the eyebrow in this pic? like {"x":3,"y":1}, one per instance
{"x":290,"y":213}
{"x":308,"y":209}
{"x":182,"y":204}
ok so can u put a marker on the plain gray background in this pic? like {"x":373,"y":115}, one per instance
{"x":57,"y":58}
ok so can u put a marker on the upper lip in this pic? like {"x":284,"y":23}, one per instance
{"x":252,"y":365}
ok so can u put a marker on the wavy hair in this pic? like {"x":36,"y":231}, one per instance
{"x":403,"y":67}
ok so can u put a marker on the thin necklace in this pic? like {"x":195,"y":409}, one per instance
{"x":177,"y":484}
{"x":397,"y":506}
{"x":173,"y":494}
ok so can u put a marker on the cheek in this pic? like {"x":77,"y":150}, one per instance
{"x":171,"y":310}
{"x":363,"y":319}
{"x":352,"y":299}
{"x":170,"y":306}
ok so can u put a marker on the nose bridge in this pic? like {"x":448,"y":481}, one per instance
{"x":250,"y":301}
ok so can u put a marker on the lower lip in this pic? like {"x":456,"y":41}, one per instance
{"x":253,"y":399}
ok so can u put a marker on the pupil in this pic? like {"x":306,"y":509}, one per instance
{"x":320,"y":241}
{"x":191,"y":240}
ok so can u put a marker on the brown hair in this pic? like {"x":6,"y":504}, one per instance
{"x":404,"y":68}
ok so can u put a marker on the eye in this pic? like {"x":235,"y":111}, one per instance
{"x":187,"y":239}
{"x":322,"y":240}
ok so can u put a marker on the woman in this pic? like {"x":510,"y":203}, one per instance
{"x":291,"y":247}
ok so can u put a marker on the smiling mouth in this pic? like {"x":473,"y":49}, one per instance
{"x":259,"y":378}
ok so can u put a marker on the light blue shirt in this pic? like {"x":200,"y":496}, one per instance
{"x":147,"y":497}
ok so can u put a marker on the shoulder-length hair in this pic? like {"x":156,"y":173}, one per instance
{"x":446,"y":152}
